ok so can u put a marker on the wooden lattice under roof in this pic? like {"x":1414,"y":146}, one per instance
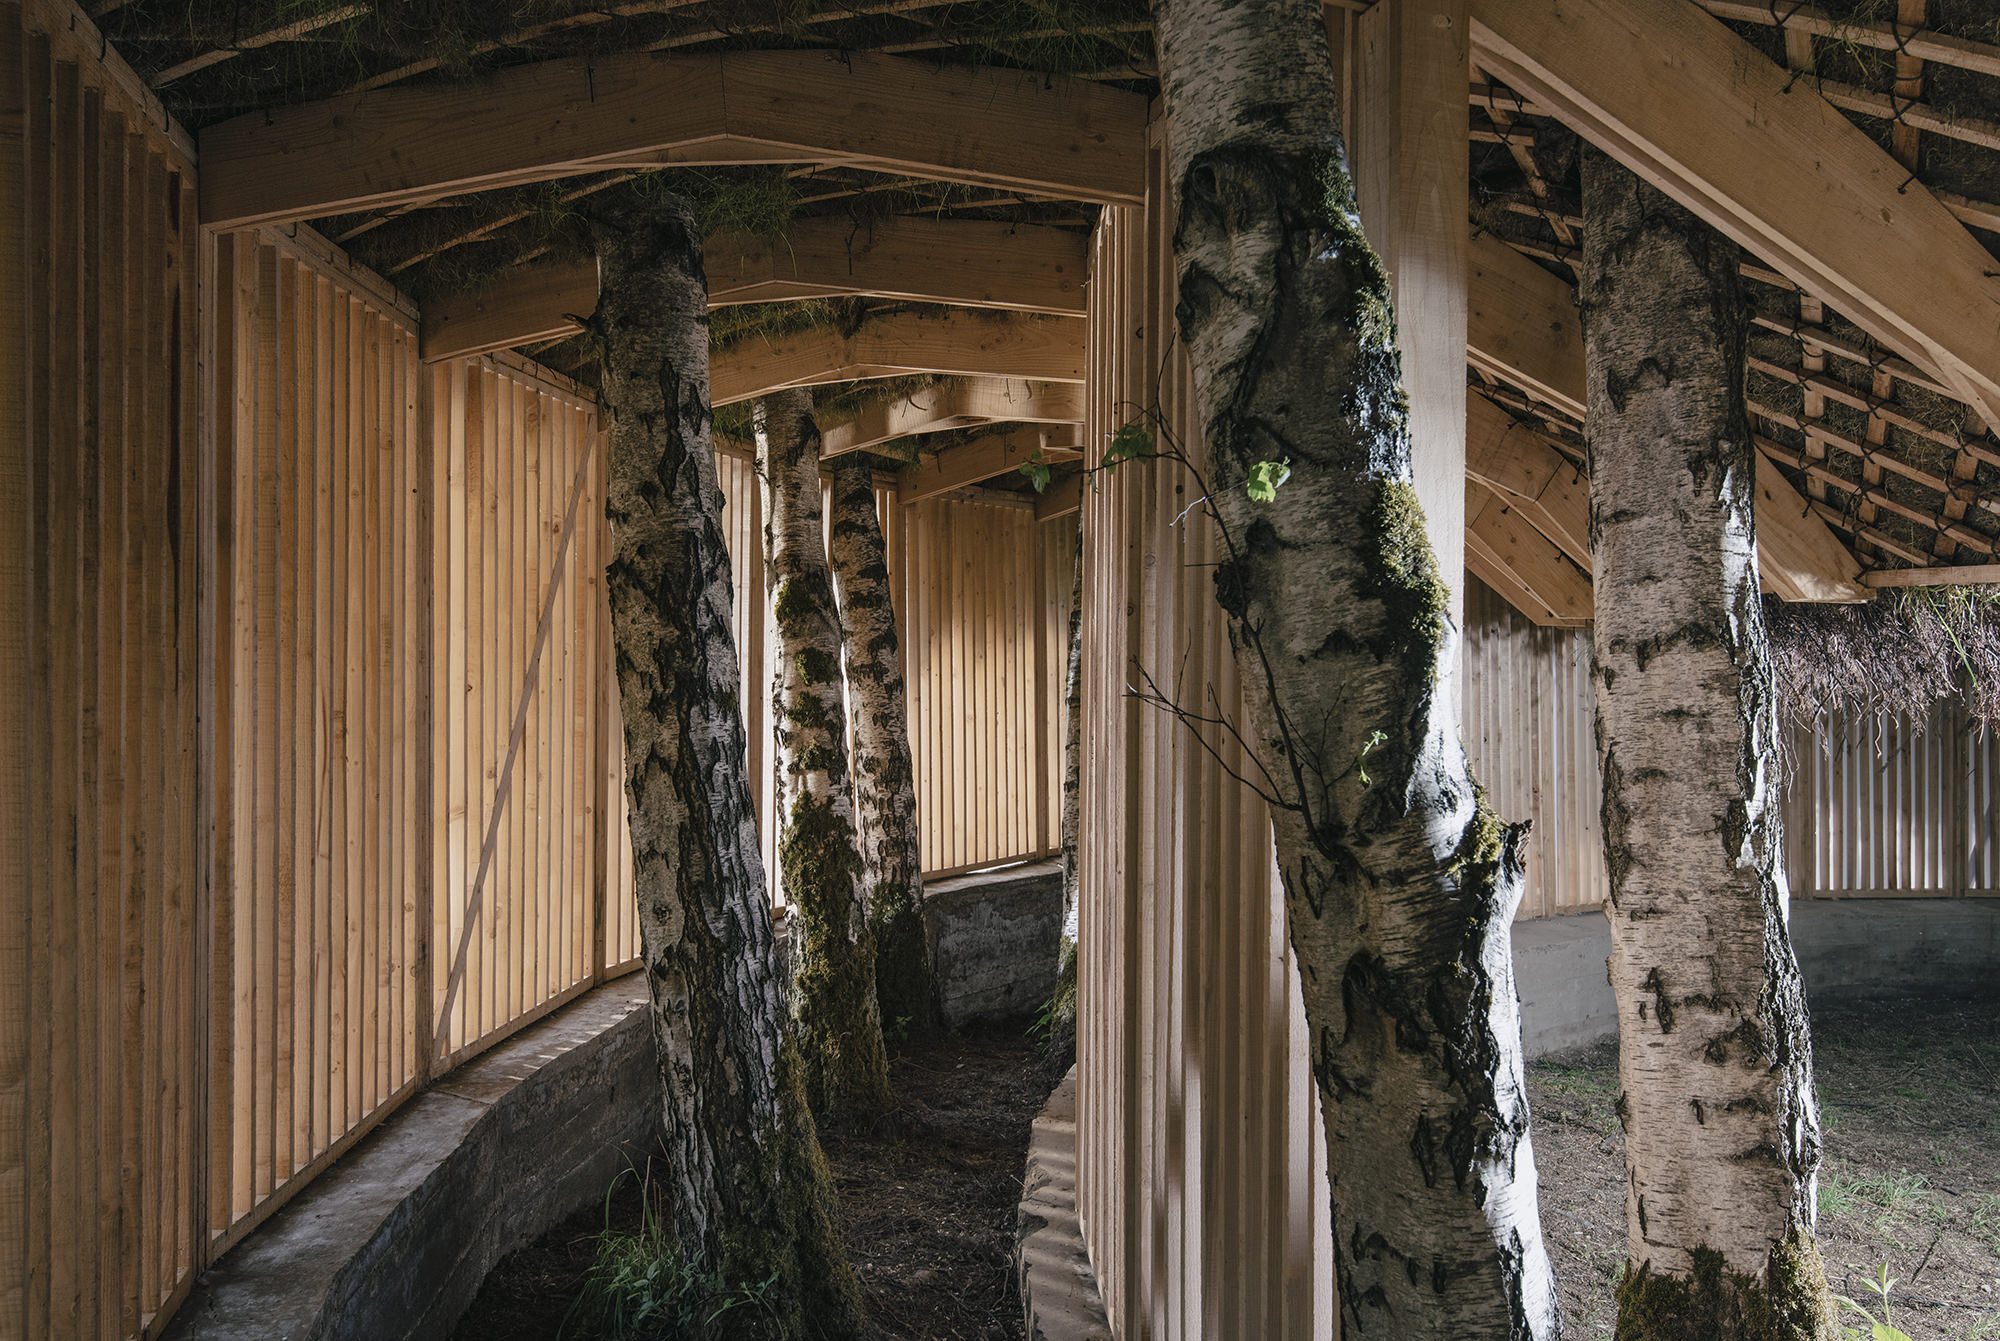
{"x":1881,"y":446}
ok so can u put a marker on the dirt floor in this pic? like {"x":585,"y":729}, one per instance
{"x":1910,"y":1100}
{"x":928,"y":1207}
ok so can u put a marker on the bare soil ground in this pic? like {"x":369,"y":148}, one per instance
{"x":1910,"y":1099}
{"x":927,"y":1204}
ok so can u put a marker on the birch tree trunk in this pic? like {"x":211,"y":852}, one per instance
{"x":1062,"y":1006}
{"x":1715,"y":1056}
{"x":1400,"y":884}
{"x":752,"y":1197}
{"x":885,"y":794}
{"x":834,"y":1015}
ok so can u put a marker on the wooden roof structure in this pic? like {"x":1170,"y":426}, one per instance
{"x":911,"y":155}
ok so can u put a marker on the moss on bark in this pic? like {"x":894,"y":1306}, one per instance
{"x":1714,"y":1303}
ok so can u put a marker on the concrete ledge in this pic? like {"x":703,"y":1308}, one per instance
{"x":1849,"y":949}
{"x":394,"y":1240}
{"x":994,"y":939}
{"x":1059,"y":1298}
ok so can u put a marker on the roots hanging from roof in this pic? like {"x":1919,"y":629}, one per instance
{"x":1907,"y":649}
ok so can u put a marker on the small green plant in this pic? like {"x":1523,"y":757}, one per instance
{"x":641,"y":1287}
{"x":1878,"y":1329}
{"x":1836,"y":1194}
{"x":1037,"y":471}
{"x":1265,"y":477}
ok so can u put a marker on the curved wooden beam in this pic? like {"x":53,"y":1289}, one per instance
{"x":955,"y":344}
{"x":1000,"y":128}
{"x":957,"y":262}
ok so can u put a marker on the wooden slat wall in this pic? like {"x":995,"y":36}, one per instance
{"x":1201,"y":1177}
{"x":321,"y":868}
{"x":102,"y":507}
{"x":1528,"y":713}
{"x":519,"y":555}
{"x":1881,"y":809}
{"x":975,"y":635}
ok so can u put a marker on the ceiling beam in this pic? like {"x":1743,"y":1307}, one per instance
{"x":1750,"y":147}
{"x":1072,"y":139}
{"x":1523,"y":327}
{"x":984,"y":458}
{"x":1060,"y":499}
{"x":954,"y":344}
{"x":1512,"y":461}
{"x":955,"y":404}
{"x":1983,"y":574}
{"x":959,"y":262}
{"x":1521,"y":563}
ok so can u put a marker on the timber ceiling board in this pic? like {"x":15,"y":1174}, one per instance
{"x":1878,"y":438}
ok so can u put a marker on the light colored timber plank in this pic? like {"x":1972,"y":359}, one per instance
{"x":1701,"y":114}
{"x":1072,"y":140}
{"x":1971,"y":574}
{"x":954,"y":404}
{"x":1508,"y":458}
{"x":1522,"y":321}
{"x":1061,"y":499}
{"x":962,"y":344}
{"x":962,"y":262}
{"x":1495,"y":526}
{"x":981,"y":459}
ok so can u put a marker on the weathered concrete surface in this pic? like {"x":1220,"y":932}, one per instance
{"x":394,"y":1240}
{"x":1059,"y":1296}
{"x":1848,"y":949}
{"x":993,"y":940}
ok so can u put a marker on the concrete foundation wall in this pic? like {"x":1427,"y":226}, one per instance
{"x":994,"y":939}
{"x":394,"y":1240}
{"x":1848,"y":949}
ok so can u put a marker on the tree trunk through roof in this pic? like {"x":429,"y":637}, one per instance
{"x":1400,"y":884}
{"x":1715,"y":1055}
{"x":885,"y":794}
{"x":752,"y":1198}
{"x":835,"y":1018}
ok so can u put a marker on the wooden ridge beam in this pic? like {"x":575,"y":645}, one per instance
{"x":956,"y":404}
{"x":983,"y":459}
{"x":955,"y":344}
{"x":1702,"y":115}
{"x":999,"y":128}
{"x":1523,"y":327}
{"x":958,"y":262}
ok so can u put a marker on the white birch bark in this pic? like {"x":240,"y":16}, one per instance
{"x":885,"y":794}
{"x":835,"y":1018}
{"x":1400,"y":885}
{"x":751,"y":1195}
{"x":1715,"y":1057}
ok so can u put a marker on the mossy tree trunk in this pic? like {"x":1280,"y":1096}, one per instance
{"x":752,"y":1197}
{"x":885,"y":794}
{"x":1062,"y":1007}
{"x":1399,"y":883}
{"x":1715,"y":1056}
{"x":835,"y":1019}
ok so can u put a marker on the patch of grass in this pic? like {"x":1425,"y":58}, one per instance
{"x":1837,"y":1195}
{"x":1898,"y":1191}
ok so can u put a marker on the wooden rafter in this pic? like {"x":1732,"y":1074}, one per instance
{"x":553,"y":119}
{"x":1525,"y":566}
{"x":984,"y":458}
{"x":960,"y":403}
{"x":1523,"y":328}
{"x":956,"y":344}
{"x":957,"y":262}
{"x":1705,"y":117}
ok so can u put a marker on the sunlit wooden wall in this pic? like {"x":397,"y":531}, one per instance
{"x":1201,"y":1176}
{"x":102,"y":508}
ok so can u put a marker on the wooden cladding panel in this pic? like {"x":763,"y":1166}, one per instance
{"x":321,"y":466}
{"x":101,"y":491}
{"x":519,"y":558}
{"x":1528,"y":711}
{"x":1890,"y":806}
{"x":974,"y":619}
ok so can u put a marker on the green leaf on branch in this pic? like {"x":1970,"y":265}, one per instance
{"x":1130,"y":443}
{"x":1265,"y":477}
{"x":1037,"y":471}
{"x":1374,"y":739}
